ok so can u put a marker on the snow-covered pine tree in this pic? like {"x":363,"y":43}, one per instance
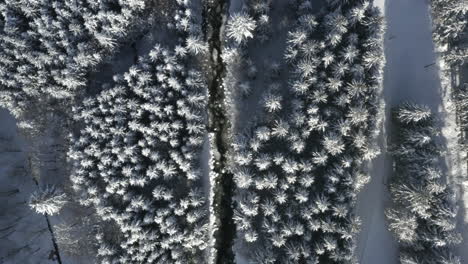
{"x":423,"y":214}
{"x":450,"y":21}
{"x":48,"y":200}
{"x":240,"y":28}
{"x":411,"y":113}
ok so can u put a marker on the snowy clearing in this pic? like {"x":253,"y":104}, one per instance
{"x":24,"y":237}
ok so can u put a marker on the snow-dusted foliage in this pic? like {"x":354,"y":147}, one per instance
{"x":187,"y":24}
{"x":423,"y":212}
{"x":47,"y":201}
{"x":412,"y":113}
{"x":47,"y":48}
{"x":299,"y":170}
{"x":240,"y":28}
{"x":136,"y":161}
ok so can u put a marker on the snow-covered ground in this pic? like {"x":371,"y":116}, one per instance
{"x":411,"y":74}
{"x":24,"y":237}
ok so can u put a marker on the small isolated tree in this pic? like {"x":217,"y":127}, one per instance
{"x":47,"y":201}
{"x":240,"y":28}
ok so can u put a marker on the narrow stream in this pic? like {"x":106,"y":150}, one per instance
{"x":219,"y":127}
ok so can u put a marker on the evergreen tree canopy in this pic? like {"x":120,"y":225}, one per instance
{"x":47,"y":48}
{"x":136,"y":161}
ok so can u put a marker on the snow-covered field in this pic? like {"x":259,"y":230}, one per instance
{"x":24,"y":237}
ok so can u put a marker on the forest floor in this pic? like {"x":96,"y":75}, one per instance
{"x":411,"y":74}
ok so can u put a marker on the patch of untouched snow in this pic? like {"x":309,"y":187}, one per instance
{"x":241,"y":259}
{"x":24,"y":237}
{"x":31,"y":241}
{"x":380,"y":4}
{"x":375,"y":243}
{"x":409,"y":52}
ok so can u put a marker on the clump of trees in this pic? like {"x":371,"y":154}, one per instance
{"x":136,"y":161}
{"x":48,"y":48}
{"x":423,"y":212}
{"x":451,"y":28}
{"x":298,"y":170}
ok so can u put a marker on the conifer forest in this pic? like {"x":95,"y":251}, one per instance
{"x":233,"y":131}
